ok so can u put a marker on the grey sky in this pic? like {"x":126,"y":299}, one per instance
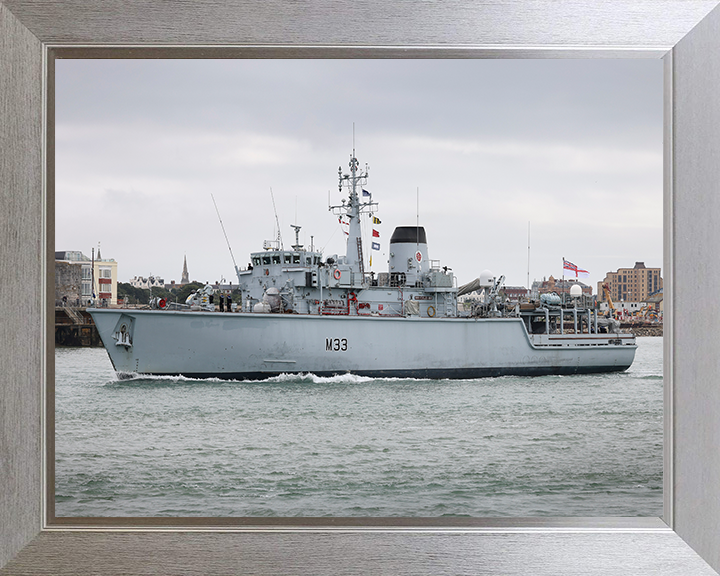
{"x":572,"y":146}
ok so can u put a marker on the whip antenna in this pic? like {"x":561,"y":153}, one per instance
{"x":277,"y":222}
{"x":528,"y":270}
{"x":417,"y":218}
{"x":223,"y":229}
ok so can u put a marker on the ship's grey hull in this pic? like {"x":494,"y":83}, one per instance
{"x":256,"y":346}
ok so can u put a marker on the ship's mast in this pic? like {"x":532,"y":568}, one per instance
{"x":352,"y":208}
{"x":354,"y":240}
{"x":297,"y":246}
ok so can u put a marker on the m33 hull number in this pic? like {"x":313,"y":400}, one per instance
{"x":336,"y":344}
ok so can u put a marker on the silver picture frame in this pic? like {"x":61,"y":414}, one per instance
{"x":684,"y":33}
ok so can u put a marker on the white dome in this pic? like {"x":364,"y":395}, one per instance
{"x":575,"y":291}
{"x":486,"y":278}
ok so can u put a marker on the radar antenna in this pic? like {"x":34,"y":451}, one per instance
{"x":297,"y":246}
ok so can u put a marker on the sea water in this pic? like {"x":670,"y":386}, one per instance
{"x":586,"y":445}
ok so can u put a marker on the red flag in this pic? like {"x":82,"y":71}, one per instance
{"x":376,"y":234}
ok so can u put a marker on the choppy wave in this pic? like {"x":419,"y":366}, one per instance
{"x":309,"y":377}
{"x":130,"y":377}
{"x":294,"y":378}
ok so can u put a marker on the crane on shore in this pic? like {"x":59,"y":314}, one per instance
{"x":611,"y":306}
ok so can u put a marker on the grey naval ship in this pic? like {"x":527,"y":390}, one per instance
{"x":302,"y":312}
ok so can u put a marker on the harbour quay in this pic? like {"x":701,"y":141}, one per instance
{"x":643,"y":328}
{"x":75,"y":327}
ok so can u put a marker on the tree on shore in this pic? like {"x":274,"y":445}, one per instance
{"x":134,"y":295}
{"x":131,"y":294}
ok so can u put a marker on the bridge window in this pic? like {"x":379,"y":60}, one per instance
{"x":276,"y":258}
{"x":287,"y":258}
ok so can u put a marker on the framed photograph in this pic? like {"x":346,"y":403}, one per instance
{"x":146,"y":149}
{"x":683,"y":541}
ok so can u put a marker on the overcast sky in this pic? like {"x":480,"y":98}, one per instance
{"x":572,"y":148}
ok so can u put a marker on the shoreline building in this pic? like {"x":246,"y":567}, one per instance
{"x":185,"y":277}
{"x":104,"y":277}
{"x":68,"y":281}
{"x":634,"y":284}
{"x":557,"y":285}
{"x":147,"y":283}
{"x":515,"y":293}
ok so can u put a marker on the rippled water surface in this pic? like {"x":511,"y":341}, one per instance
{"x":349,"y":446}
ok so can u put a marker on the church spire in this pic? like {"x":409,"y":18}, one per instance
{"x":185,"y":279}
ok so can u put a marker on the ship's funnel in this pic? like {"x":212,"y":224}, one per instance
{"x":408,"y":254}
